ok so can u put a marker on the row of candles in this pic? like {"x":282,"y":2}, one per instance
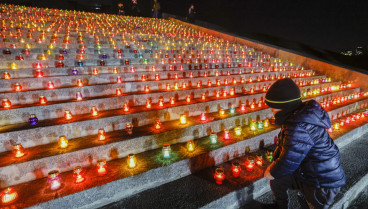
{"x":39,"y":73}
{"x":54,"y":177}
{"x":6,"y":103}
{"x":226,"y":81}
{"x":9,"y":195}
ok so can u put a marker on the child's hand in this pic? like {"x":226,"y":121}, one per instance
{"x":267,"y":174}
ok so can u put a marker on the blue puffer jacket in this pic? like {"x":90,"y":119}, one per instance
{"x":305,"y":147}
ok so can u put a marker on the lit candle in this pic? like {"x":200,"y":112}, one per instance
{"x":219,"y":175}
{"x":213,"y":138}
{"x":63,"y":142}
{"x":50,"y":85}
{"x":101,"y":167}
{"x":6,"y":75}
{"x":18,"y":87}
{"x":236,"y":169}
{"x":157,"y":124}
{"x":79,"y":82}
{"x":33,"y":120}
{"x":94,"y":71}
{"x":129,"y":128}
{"x":101,"y":134}
{"x":79,"y":96}
{"x":259,"y":160}
{"x":166,"y":151}
{"x":232,"y":109}
{"x":269,"y":156}
{"x":39,"y":73}
{"x":125,"y":107}
{"x":336,"y":126}
{"x":67,"y":115}
{"x":8,"y":195}
{"x":183,"y":119}
{"x":6,"y":103}
{"x":221,"y":112}
{"x":54,"y":180}
{"x":249,"y":163}
{"x":266,"y":123}
{"x":188,"y":99}
{"x":18,"y":150}
{"x":203,"y":116}
{"x":172,"y":100}
{"x":146,"y":88}
{"x":42,"y":100}
{"x":260,"y":125}
{"x":119,"y":92}
{"x":78,"y":175}
{"x":190,"y":146}
{"x":13,"y":66}
{"x":94,"y":111}
{"x":131,"y":161}
{"x":226,"y":134}
{"x":238,"y":130}
{"x":253,"y":125}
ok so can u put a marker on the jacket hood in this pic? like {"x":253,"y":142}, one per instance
{"x":311,"y":112}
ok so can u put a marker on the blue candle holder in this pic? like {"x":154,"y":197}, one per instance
{"x":33,"y":120}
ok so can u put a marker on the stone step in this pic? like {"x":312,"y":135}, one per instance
{"x":163,"y":176}
{"x":249,"y":191}
{"x":119,"y":145}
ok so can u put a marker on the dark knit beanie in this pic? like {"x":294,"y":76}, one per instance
{"x":284,"y":94}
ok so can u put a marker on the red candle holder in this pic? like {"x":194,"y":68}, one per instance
{"x":6,"y":75}
{"x":129,"y":128}
{"x":6,"y":103}
{"x":236,"y":169}
{"x":50,"y":85}
{"x":158,"y":124}
{"x":101,"y":167}
{"x":78,"y":175}
{"x":119,"y":92}
{"x":101,"y":134}
{"x":9,"y":195}
{"x":259,"y":160}
{"x":18,"y":150}
{"x":67,"y":115}
{"x":146,"y":88}
{"x":249,"y":163}
{"x":17,"y":87}
{"x":219,"y":175}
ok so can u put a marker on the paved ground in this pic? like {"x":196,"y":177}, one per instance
{"x":360,"y":202}
{"x":354,"y":158}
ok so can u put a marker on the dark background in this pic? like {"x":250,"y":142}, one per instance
{"x":332,"y":26}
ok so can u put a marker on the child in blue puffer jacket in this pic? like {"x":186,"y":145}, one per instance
{"x":306,"y":158}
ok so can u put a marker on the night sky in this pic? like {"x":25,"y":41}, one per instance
{"x":331,"y":25}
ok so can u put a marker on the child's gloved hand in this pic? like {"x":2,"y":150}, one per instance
{"x":268,"y":175}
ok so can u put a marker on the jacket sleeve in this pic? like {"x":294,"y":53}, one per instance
{"x":296,"y":145}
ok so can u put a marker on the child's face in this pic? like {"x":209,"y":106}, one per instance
{"x":274,"y":111}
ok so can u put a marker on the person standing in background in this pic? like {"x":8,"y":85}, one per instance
{"x":156,"y":8}
{"x":120,"y":9}
{"x":135,"y":8}
{"x":191,"y":13}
